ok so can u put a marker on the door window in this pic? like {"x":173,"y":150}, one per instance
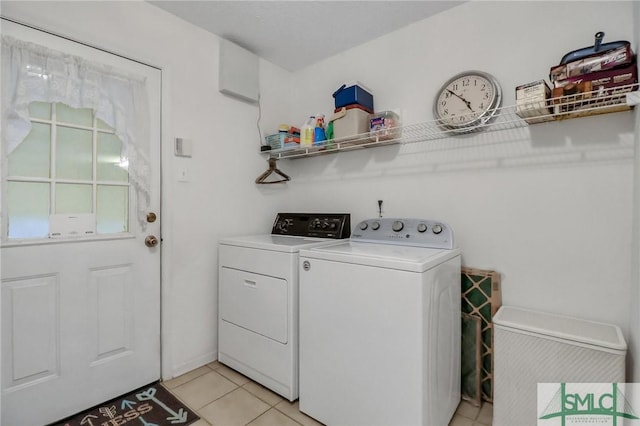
{"x":67,"y":177}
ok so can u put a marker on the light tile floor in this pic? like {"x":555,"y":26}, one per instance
{"x":223,"y":397}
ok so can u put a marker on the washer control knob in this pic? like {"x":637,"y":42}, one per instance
{"x":437,"y":229}
{"x":375,"y":226}
{"x":363,"y":225}
{"x":397,"y":226}
{"x":422,"y":227}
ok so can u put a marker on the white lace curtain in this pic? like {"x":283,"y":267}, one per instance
{"x":31,"y":72}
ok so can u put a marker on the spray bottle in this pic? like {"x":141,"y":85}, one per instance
{"x":319,"y":136}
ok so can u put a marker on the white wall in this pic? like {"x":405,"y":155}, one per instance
{"x":221,"y":198}
{"x":549,"y":206}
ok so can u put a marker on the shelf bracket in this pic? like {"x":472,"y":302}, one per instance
{"x":633,"y":98}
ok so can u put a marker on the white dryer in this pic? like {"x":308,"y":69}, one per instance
{"x":258,"y":297}
{"x":380,"y":326}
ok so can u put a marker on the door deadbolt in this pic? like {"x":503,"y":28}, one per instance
{"x":151,"y":241}
{"x":306,"y":265}
{"x":151,"y":217}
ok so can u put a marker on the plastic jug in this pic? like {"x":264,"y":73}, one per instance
{"x":307,"y":131}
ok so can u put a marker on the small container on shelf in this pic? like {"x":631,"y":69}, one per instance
{"x":532,"y":102}
{"x":356,"y":93}
{"x":282,"y":140}
{"x":385,"y":125}
{"x":319,"y":134}
{"x":350,"y":124}
{"x":307,"y":132}
{"x":273,"y":141}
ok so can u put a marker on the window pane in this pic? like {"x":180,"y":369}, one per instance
{"x":113,"y":209}
{"x":74,"y":198}
{"x":33,"y":156}
{"x":28,"y":209}
{"x":109,"y":148}
{"x":81,"y":116}
{"x":40,"y":110}
{"x":74,"y":154}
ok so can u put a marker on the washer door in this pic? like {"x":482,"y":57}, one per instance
{"x":255,"y":302}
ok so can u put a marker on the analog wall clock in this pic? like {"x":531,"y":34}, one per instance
{"x":467,"y":101}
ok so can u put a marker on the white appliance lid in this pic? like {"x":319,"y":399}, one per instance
{"x":559,"y":326}
{"x":407,"y":258}
{"x":283,"y":243}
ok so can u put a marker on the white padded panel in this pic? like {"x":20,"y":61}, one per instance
{"x":111,"y":296}
{"x":30,"y":324}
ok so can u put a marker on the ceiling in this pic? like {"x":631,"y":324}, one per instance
{"x":297,"y":34}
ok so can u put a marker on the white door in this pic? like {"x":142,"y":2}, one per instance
{"x":80,"y":315}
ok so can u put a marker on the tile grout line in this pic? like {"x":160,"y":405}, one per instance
{"x":271,"y":406}
{"x":269,"y":409}
{"x":474,"y":419}
{"x":188,"y":381}
{"x":197,"y":411}
{"x":266,"y":402}
{"x":222,"y":396}
{"x":256,"y":396}
{"x":287,"y":416}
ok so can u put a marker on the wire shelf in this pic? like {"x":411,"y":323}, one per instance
{"x":572,"y":106}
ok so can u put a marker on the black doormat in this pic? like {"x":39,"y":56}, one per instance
{"x":151,"y":405}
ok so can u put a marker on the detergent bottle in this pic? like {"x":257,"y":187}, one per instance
{"x":319,"y":135}
{"x":307,"y":131}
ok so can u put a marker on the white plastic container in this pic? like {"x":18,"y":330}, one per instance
{"x":385,"y":125}
{"x":533,"y":347}
{"x":306,"y":131}
{"x":350,"y":122}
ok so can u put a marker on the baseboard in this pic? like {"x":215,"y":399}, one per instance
{"x":198,"y":362}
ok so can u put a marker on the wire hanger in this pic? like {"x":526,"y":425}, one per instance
{"x":272,"y":169}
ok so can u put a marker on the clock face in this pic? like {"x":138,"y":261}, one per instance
{"x":467,"y":101}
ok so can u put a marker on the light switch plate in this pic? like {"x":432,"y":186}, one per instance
{"x":183,"y":147}
{"x":183,"y":173}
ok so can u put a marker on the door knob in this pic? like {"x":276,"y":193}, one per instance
{"x":151,"y":241}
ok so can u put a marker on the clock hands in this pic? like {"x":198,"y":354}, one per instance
{"x":467,"y":103}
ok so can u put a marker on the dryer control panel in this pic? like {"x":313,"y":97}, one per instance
{"x":402,"y":231}
{"x":321,"y":225}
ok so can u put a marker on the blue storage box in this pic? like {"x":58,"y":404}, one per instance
{"x":353,"y":95}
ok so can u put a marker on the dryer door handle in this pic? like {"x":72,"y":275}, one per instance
{"x":250,"y":283}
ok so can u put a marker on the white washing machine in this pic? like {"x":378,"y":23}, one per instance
{"x":258,"y":297}
{"x":380,"y":326}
